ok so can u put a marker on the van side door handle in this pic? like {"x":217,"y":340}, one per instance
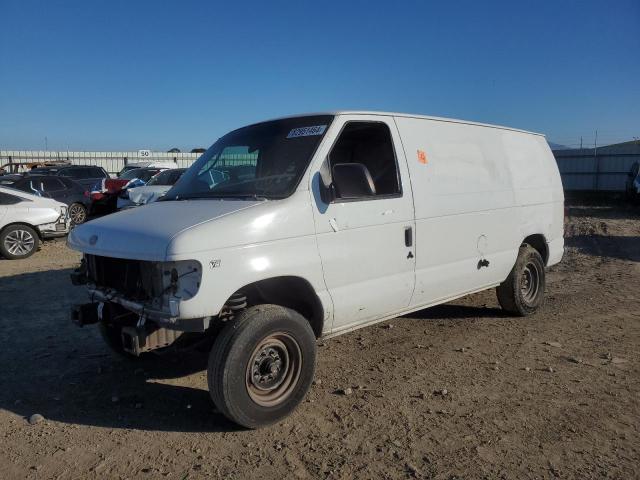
{"x":408,"y":236}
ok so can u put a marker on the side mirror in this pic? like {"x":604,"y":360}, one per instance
{"x":325,"y":186}
{"x":352,"y":180}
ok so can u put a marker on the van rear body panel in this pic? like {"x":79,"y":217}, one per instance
{"x":479,"y":191}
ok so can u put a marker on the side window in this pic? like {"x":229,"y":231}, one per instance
{"x":369,"y":145}
{"x":96,"y":172}
{"x":84,"y":173}
{"x":174,"y":176}
{"x":67,"y":183}
{"x":79,"y":172}
{"x":7,"y":199}
{"x":70,"y":172}
{"x":146,"y":175}
{"x":52,"y":185}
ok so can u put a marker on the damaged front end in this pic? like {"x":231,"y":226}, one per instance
{"x":140,"y":299}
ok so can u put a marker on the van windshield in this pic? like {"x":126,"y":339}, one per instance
{"x":265,"y":160}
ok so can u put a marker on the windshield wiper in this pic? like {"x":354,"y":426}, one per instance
{"x":253,"y":196}
{"x":245,"y":196}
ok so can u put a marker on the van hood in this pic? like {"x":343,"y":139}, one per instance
{"x":144,"y":233}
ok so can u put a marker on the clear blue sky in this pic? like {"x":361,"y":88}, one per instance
{"x":114,"y":74}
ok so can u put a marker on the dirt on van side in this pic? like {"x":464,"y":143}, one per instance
{"x":456,"y":391}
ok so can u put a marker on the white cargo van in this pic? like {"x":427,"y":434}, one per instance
{"x":311,"y":226}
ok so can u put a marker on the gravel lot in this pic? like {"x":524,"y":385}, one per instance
{"x":553,"y":395}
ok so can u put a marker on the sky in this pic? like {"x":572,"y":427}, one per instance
{"x":129,"y":75}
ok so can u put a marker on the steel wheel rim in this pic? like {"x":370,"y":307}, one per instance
{"x":19,"y":242}
{"x":77,"y":214}
{"x":273,"y":369}
{"x":530,"y":282}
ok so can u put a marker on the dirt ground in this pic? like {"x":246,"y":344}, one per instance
{"x":553,"y":395}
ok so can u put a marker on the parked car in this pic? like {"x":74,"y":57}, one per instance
{"x":104,"y":195}
{"x":348,"y":219}
{"x":157,"y":186}
{"x":25,"y":219}
{"x":85,"y":175}
{"x":62,"y":189}
{"x":132,"y":166}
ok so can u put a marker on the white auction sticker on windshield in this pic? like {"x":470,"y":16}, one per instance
{"x":307,"y":131}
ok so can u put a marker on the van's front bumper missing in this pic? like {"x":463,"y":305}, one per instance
{"x":135,"y":338}
{"x":160,"y":316}
{"x":143,"y":291}
{"x":144,"y":312}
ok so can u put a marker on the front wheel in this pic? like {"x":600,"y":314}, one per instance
{"x":522,"y":293}
{"x":18,"y":241}
{"x":261,"y":365}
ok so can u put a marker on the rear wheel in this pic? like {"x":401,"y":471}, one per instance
{"x":18,"y":241}
{"x":261,"y":365}
{"x":77,"y":213}
{"x":522,"y":293}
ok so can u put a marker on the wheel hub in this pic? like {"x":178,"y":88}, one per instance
{"x":19,"y":242}
{"x":268,"y":367}
{"x":77,"y":214}
{"x":273,"y":369}
{"x":530,"y":282}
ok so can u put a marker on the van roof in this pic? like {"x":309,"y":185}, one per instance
{"x":409,"y":115}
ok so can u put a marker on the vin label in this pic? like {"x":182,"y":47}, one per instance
{"x":307,"y":131}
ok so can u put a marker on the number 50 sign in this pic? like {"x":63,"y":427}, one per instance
{"x":144,"y":153}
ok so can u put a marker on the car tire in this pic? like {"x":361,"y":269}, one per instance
{"x":261,"y":365}
{"x":77,"y":213}
{"x":522,"y":293}
{"x":18,"y":241}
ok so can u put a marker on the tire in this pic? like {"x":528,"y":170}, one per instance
{"x":522,"y":293}
{"x":261,"y":365}
{"x":18,"y":241}
{"x":77,"y":213}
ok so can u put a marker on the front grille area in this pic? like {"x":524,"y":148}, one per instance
{"x":135,"y":279}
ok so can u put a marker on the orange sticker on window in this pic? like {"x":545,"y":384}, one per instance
{"x":422,"y":157}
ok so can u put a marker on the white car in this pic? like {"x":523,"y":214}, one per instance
{"x":312,"y":226}
{"x":25,"y":219}
{"x":155,"y":188}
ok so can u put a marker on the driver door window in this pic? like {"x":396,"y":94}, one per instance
{"x":369,"y":144}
